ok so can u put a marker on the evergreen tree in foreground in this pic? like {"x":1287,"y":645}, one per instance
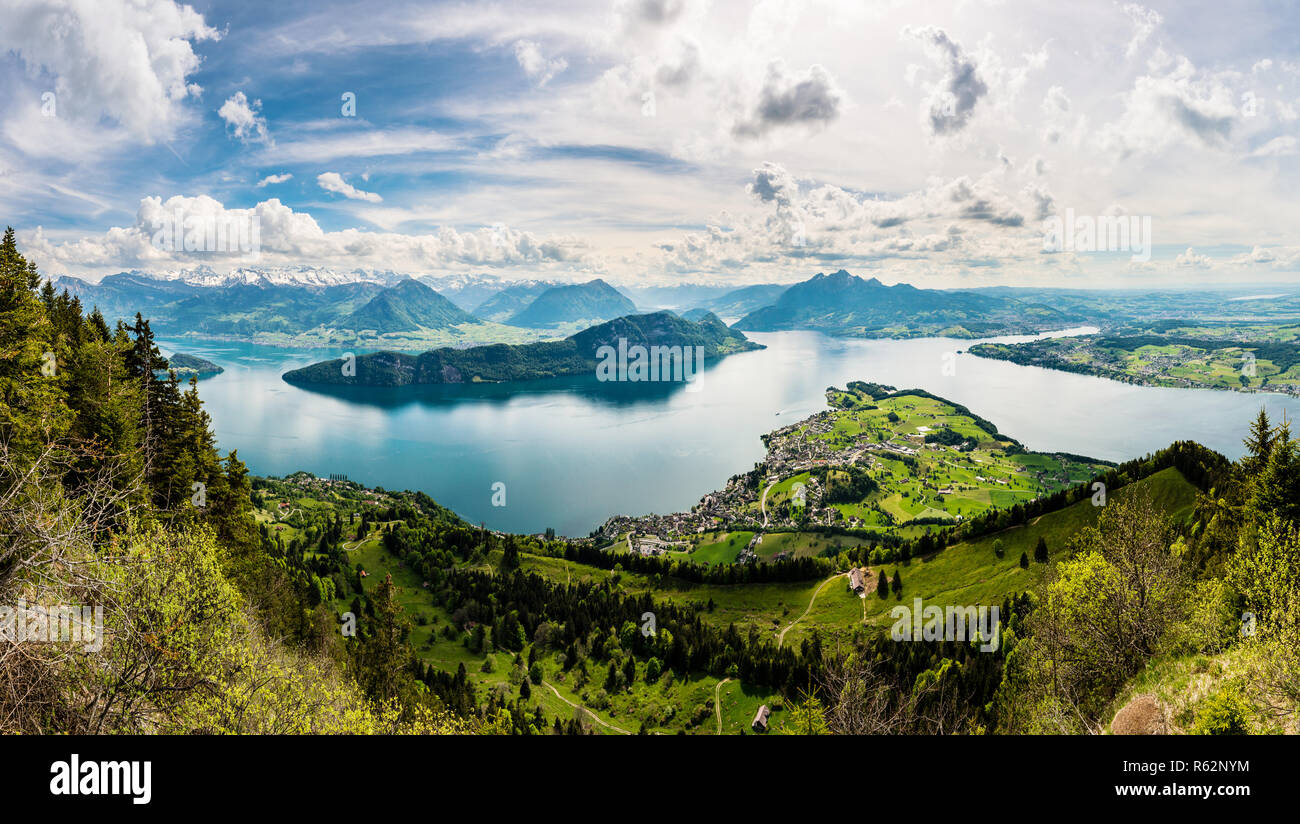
{"x":1040,"y":550}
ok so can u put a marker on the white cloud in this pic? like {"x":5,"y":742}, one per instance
{"x":539,"y":69}
{"x":241,"y":113}
{"x":271,"y":180}
{"x":357,"y":141}
{"x":1145,"y":21}
{"x":1191,"y":259}
{"x":952,"y":100}
{"x":334,"y":182}
{"x":127,"y":60}
{"x":293,"y":238}
{"x":948,"y":222}
{"x":1180,"y":106}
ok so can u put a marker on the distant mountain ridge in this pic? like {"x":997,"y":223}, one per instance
{"x":592,"y":302}
{"x":747,"y":299}
{"x":512,"y":300}
{"x":406,"y":306}
{"x":575,"y":355}
{"x":845,"y":304}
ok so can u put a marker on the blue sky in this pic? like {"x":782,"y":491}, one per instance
{"x":659,"y":141}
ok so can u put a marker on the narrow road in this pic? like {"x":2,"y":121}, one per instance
{"x":763,"y":503}
{"x":593,"y":715}
{"x":717,"y":702}
{"x":780,"y":639}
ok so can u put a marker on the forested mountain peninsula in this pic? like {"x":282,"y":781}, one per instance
{"x":575,"y":355}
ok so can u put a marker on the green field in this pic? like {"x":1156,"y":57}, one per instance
{"x":940,"y":481}
{"x":971,"y":573}
{"x":1234,"y":356}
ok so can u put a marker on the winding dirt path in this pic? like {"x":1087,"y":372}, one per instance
{"x":717,"y":702}
{"x":591,"y":714}
{"x":780,"y":639}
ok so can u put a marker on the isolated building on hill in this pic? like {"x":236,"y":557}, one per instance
{"x":760,"y":719}
{"x":856,"y":581}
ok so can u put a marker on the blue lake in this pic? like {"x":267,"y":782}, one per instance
{"x":573,"y":451}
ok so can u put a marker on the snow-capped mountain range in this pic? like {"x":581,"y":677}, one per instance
{"x":206,"y":276}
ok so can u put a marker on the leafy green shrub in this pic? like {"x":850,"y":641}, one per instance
{"x":1227,"y":712}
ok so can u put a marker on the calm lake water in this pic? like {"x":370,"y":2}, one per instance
{"x":573,"y":451}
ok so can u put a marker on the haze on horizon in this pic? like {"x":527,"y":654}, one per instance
{"x":659,"y":141}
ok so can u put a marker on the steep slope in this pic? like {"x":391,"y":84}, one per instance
{"x":511,"y":300}
{"x":405,"y":307}
{"x":747,"y":299}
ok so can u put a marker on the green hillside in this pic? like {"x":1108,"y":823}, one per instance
{"x":405,"y":307}
{"x":591,"y":302}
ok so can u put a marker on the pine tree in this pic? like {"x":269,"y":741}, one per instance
{"x":1024,"y":561}
{"x":882,"y":585}
{"x":1276,"y":487}
{"x":33,"y":411}
{"x":1259,"y":444}
{"x":385,"y":652}
{"x":1040,"y":550}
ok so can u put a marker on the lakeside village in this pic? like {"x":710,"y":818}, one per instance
{"x":742,"y":505}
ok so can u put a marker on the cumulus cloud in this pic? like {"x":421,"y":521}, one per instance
{"x":952,"y":100}
{"x":539,"y":69}
{"x":287,"y":237}
{"x":270,"y":180}
{"x":1192,"y":259}
{"x":1180,"y":106}
{"x":242,"y":114}
{"x":127,"y":60}
{"x":957,"y":220}
{"x":773,"y":184}
{"x":808,"y":98}
{"x":334,"y":182}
